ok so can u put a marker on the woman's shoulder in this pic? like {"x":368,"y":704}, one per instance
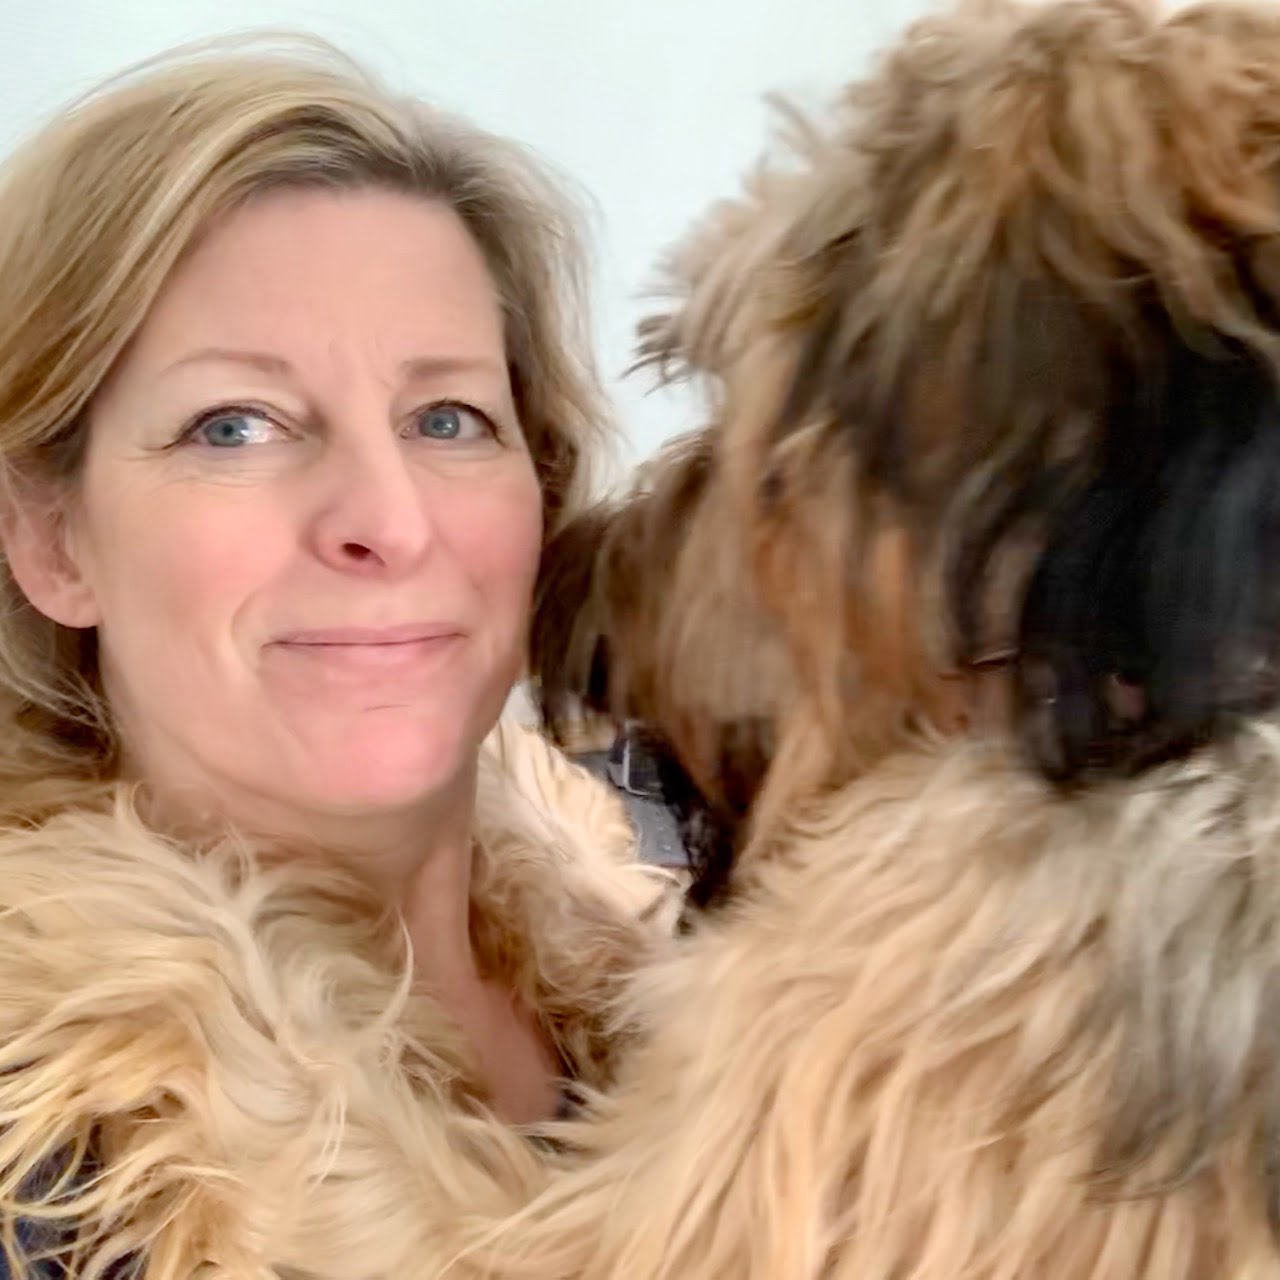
{"x":202,"y":1015}
{"x":86,"y":887}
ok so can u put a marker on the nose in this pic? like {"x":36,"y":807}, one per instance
{"x":373,"y":516}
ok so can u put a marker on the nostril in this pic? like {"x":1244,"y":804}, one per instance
{"x":356,"y":551}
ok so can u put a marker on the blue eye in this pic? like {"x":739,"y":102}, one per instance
{"x":453,"y":422}
{"x":230,"y":430}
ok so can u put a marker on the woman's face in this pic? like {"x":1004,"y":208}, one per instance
{"x":309,"y":525}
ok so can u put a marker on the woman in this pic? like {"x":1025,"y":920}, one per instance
{"x":292,"y":383}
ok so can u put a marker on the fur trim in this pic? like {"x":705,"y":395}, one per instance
{"x":224,"y":1062}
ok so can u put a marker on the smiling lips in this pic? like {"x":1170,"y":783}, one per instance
{"x":364,"y":650}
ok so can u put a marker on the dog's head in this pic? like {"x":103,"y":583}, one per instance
{"x":644,"y":614}
{"x":994,"y":359}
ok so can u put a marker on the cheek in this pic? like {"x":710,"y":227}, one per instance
{"x":181,"y":559}
{"x":497,"y":536}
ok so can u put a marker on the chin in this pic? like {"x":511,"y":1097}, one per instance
{"x":394,"y":767}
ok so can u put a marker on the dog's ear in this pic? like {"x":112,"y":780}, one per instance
{"x":608,"y":608}
{"x":1132,"y":472}
{"x":568,"y":635}
{"x":1152,"y":619}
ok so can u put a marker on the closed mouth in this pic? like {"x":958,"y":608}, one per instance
{"x":371,"y":637}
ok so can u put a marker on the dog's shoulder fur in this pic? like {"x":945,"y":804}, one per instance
{"x":220,"y":1063}
{"x":957,"y":1024}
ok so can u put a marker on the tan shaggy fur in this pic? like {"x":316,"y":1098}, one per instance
{"x":900,"y":1052}
{"x":222,"y":1065}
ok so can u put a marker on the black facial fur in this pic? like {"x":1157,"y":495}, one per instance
{"x":1152,"y":619}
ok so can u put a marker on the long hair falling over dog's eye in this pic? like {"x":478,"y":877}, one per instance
{"x":1152,"y":619}
{"x":1133,"y":483}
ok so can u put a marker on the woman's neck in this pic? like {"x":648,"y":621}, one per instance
{"x":418,"y":859}
{"x":435,"y":900}
{"x":389,"y":848}
{"x":420,"y":863}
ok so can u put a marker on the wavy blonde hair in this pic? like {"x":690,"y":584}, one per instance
{"x":98,"y":208}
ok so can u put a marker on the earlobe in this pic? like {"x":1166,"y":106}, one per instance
{"x":37,"y":547}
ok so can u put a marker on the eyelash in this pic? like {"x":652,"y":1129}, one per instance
{"x":202,"y":419}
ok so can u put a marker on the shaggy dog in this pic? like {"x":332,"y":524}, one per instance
{"x":995,"y":373}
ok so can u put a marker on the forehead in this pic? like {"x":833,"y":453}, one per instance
{"x":322,"y":268}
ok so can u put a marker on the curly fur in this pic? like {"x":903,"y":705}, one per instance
{"x":984,"y":311}
{"x":912,"y":322}
{"x":939,"y":1038}
{"x":220,"y":1064}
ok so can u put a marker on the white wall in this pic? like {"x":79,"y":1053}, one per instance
{"x":654,"y":106}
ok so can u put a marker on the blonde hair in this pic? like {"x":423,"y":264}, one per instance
{"x":96,"y":210}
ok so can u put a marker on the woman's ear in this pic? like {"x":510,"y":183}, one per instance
{"x":39,"y":548}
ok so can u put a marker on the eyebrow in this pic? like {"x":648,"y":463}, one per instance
{"x":419,"y":367}
{"x":435,"y":366}
{"x":263,"y":361}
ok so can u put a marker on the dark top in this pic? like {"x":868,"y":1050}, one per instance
{"x":36,"y":1237}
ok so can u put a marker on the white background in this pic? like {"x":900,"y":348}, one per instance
{"x":654,"y":107}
